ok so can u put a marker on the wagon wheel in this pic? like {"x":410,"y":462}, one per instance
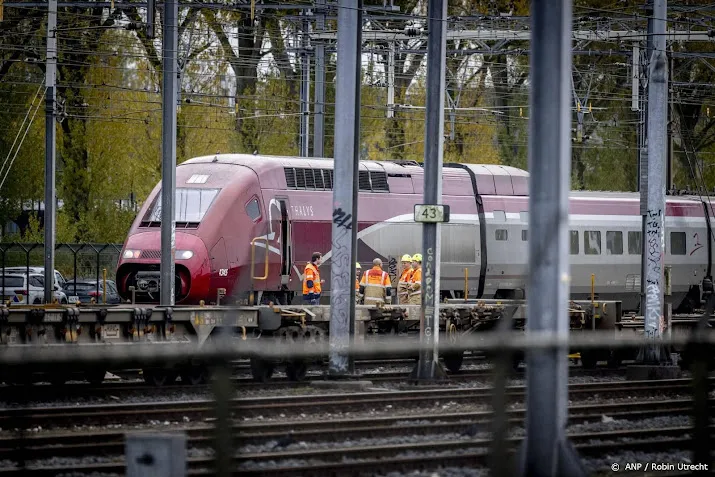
{"x":194,"y":375}
{"x":95,"y":376}
{"x":314,"y":335}
{"x":159,"y":377}
{"x":261,"y":369}
{"x":589,"y":359}
{"x":296,"y":369}
{"x":453,"y":359}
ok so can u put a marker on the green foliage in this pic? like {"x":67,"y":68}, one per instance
{"x":109,"y":143}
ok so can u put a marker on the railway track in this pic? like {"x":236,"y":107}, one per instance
{"x":73,"y":444}
{"x":273,"y":406}
{"x":46,"y":393}
{"x":354,"y":460}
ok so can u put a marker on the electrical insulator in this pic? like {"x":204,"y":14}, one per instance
{"x":589,"y":107}
{"x":521,"y":112}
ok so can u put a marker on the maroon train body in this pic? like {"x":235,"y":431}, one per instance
{"x":249,"y":224}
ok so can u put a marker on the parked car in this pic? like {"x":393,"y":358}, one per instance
{"x":87,"y":289}
{"x":59,"y":279}
{"x":24,"y":289}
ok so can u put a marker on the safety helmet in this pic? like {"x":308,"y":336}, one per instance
{"x":406,"y":258}
{"x":357,"y":265}
{"x":417,"y":257}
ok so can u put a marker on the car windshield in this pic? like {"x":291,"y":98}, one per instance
{"x":12,"y":281}
{"x":82,"y":287}
{"x":190,"y":205}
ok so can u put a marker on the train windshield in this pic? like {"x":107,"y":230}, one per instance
{"x":190,"y":205}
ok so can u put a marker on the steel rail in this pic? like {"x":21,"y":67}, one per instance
{"x":65,"y":444}
{"x":274,"y":405}
{"x":387,"y":457}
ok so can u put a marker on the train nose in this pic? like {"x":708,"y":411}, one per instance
{"x":140,"y":266}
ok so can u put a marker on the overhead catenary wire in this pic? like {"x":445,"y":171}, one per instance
{"x":27,"y":129}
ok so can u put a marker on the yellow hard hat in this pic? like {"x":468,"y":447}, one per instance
{"x":406,"y":258}
{"x":417,"y":257}
{"x":357,"y":265}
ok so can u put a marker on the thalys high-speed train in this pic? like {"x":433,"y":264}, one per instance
{"x":249,"y":224}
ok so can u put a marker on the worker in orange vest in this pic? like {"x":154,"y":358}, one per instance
{"x":375,"y":286}
{"x":402,"y":286}
{"x":415,"y":286}
{"x":312,"y":284}
{"x":358,"y":295}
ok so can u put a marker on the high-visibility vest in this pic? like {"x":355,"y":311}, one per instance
{"x":311,"y":273}
{"x":404,"y":281}
{"x":376,"y":282}
{"x":416,"y":279}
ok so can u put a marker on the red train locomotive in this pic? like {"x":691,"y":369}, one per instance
{"x":249,"y":224}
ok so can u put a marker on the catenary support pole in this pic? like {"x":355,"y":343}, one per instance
{"x":305,"y":92}
{"x":428,"y":367}
{"x":345,"y":187}
{"x":547,"y":451}
{"x":655,"y":211}
{"x":643,"y":148}
{"x":50,"y":151}
{"x":670,"y":182}
{"x":168,"y":150}
{"x":391,"y":80}
{"x":319,"y":117}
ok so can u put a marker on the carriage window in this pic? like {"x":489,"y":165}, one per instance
{"x":677,"y":243}
{"x":501,"y":234}
{"x":634,"y":243}
{"x":574,"y":242}
{"x":592,"y":242}
{"x":614,"y":243}
{"x":253,"y":209}
{"x":524,"y":235}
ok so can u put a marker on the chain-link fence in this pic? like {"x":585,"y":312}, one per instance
{"x":73,"y":261}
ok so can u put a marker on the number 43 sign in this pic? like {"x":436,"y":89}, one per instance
{"x":431,"y":214}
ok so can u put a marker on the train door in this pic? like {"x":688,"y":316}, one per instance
{"x":285,"y":243}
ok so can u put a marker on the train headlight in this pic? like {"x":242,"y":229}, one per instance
{"x":132,"y":253}
{"x":184,"y":254}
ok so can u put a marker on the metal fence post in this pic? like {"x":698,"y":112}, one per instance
{"x":155,"y":455}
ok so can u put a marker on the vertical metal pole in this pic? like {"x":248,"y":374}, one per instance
{"x":391,"y":81}
{"x":635,"y":77}
{"x":168,"y":171}
{"x":655,"y":213}
{"x":345,"y":190}
{"x":305,"y":94}
{"x":643,"y":156}
{"x":670,"y":183}
{"x":50,"y":152}
{"x":428,"y":367}
{"x":547,"y":452}
{"x":319,"y":117}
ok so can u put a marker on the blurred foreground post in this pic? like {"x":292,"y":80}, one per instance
{"x":546,"y":449}
{"x":155,"y":455}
